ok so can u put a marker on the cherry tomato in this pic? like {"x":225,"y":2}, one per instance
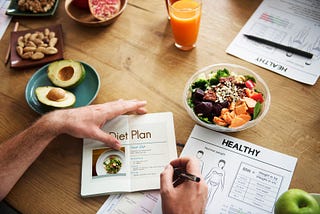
{"x":249,"y":84}
{"x":257,"y":97}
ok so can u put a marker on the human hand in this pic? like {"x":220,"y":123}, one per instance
{"x":189,"y":196}
{"x":86,"y":122}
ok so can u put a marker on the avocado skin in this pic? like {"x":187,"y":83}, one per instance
{"x":78,"y":77}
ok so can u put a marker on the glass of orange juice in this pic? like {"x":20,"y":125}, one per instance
{"x":185,"y":22}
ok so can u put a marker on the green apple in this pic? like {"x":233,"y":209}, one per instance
{"x":296,"y":201}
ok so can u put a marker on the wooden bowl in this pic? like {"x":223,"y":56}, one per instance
{"x":84,"y":17}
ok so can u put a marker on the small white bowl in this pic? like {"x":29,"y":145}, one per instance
{"x":260,"y":86}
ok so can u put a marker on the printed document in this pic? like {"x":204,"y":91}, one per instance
{"x":136,"y":202}
{"x":242,"y":177}
{"x":4,"y":19}
{"x":148,"y":144}
{"x":291,"y":23}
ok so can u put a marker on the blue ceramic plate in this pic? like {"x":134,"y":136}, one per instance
{"x":13,"y":10}
{"x":85,"y":93}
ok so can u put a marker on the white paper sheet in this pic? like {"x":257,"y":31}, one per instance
{"x":148,"y":144}
{"x":242,"y":177}
{"x":137,"y":202}
{"x":292,"y":23}
{"x":4,"y":19}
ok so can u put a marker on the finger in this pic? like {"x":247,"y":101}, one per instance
{"x":180,"y":162}
{"x":107,"y":139}
{"x":166,"y":176}
{"x":138,"y":111}
{"x":119,"y":107}
{"x":138,"y":106}
{"x":191,"y":164}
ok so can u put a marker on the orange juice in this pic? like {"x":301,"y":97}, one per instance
{"x":185,"y":21}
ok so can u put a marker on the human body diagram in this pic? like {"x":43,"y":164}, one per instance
{"x":215,"y":179}
{"x":301,"y":40}
{"x":199,"y":155}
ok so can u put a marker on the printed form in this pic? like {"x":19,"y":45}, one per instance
{"x":4,"y":19}
{"x":242,"y":177}
{"x":292,"y":23}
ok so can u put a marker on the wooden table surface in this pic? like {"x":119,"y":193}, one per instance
{"x":135,"y":58}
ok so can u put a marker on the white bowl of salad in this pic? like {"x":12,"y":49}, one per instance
{"x":226,"y":97}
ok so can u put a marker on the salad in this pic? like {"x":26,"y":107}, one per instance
{"x":225,"y":98}
{"x":112,"y":164}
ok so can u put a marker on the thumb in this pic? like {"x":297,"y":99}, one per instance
{"x":166,"y":176}
{"x":107,"y":139}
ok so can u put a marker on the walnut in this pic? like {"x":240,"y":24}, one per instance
{"x":36,"y":6}
{"x":210,"y":95}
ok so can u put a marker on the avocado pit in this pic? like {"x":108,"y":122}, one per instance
{"x":66,"y":73}
{"x":55,"y":97}
{"x":56,"y":94}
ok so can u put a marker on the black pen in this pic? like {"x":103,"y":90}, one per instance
{"x":190,"y":177}
{"x":280,"y":46}
{"x":181,"y":175}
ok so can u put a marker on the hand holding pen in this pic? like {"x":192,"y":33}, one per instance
{"x":182,"y":188}
{"x":180,"y":175}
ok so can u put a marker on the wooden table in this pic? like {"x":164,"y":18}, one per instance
{"x":136,"y":58}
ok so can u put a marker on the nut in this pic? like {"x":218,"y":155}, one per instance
{"x":41,"y":49}
{"x":37,"y":55}
{"x":19,"y":50}
{"x":51,"y":50}
{"x":27,"y":36}
{"x":29,"y":49}
{"x":37,"y":44}
{"x":30,"y":44}
{"x":53,"y":41}
{"x":46,"y":32}
{"x":52,"y":35}
{"x":20,"y":41}
{"x":35,"y":6}
{"x":40,"y":35}
{"x":33,"y":36}
{"x":43,"y":45}
{"x":26,"y":55}
{"x":38,"y":41}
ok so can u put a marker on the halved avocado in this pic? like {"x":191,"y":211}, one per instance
{"x":66,"y":73}
{"x":55,"y":97}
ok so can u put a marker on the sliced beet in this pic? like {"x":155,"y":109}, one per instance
{"x":224,"y":104}
{"x":203,"y":108}
{"x":198,"y":94}
{"x":216,"y":109}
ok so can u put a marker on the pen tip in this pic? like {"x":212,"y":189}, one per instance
{"x":197,"y":179}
